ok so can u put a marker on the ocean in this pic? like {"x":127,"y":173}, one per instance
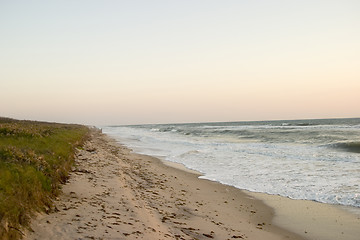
{"x":315,"y":160}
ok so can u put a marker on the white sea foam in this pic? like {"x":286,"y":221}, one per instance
{"x":293,"y":159}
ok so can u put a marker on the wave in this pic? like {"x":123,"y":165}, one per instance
{"x":348,"y":146}
{"x":191,"y":152}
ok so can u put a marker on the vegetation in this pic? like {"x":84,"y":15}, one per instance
{"x":35,"y":158}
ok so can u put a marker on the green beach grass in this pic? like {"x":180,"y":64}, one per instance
{"x":35,"y":159}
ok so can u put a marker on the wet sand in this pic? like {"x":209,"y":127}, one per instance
{"x":314,"y":220}
{"x":113,"y":193}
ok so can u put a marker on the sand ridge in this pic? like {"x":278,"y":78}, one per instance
{"x":113,"y":193}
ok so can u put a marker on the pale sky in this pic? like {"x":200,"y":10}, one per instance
{"x":133,"y":62}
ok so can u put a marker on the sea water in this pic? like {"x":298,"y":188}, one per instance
{"x":301,"y":159}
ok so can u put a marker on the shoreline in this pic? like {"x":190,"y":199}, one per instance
{"x":310,"y":219}
{"x":114,"y":193}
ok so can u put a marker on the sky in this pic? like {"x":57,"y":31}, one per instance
{"x":138,"y":62}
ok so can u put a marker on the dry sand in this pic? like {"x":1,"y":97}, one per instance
{"x":113,"y":193}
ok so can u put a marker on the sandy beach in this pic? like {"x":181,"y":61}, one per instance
{"x":113,"y":193}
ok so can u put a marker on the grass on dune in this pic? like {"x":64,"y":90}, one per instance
{"x":35,"y":158}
